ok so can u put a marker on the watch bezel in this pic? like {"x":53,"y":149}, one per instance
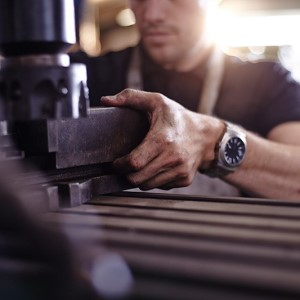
{"x":220,"y":167}
{"x":229,"y":135}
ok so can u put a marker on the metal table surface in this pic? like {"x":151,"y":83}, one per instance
{"x":187,"y":247}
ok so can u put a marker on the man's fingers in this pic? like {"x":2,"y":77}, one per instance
{"x":161,"y":171}
{"x":132,"y":98}
{"x":159,"y":160}
{"x":168,"y":179}
{"x":138,"y":158}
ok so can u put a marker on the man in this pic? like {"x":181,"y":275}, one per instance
{"x":177,"y":60}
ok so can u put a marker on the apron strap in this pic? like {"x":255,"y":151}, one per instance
{"x":212,"y":80}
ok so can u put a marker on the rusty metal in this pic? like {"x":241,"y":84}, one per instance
{"x":106,"y":133}
{"x":76,"y":154}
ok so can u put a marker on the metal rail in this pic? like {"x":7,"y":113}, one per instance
{"x":189,"y":247}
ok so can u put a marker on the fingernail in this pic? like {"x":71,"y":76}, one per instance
{"x":108,"y":97}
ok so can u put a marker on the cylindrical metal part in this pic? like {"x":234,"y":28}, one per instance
{"x":36,"y":26}
{"x":62,"y":60}
{"x":36,"y":78}
{"x":30,"y":92}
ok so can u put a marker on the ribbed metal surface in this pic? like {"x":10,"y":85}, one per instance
{"x":195,"y":248}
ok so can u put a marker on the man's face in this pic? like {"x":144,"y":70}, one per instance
{"x":170,"y":29}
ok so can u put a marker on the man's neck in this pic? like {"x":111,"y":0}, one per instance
{"x":193,"y":59}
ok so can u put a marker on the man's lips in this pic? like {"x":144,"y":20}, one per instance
{"x":157,"y":36}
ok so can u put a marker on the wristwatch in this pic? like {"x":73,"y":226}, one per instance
{"x":229,"y":152}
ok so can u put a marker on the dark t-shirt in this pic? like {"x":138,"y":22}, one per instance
{"x":256,"y":95}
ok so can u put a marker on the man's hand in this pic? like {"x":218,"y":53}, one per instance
{"x":178,"y":143}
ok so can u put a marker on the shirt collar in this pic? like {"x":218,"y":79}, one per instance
{"x":150,"y":67}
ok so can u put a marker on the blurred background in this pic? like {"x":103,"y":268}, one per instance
{"x":251,"y":29}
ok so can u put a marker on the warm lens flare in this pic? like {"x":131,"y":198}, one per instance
{"x":231,"y":30}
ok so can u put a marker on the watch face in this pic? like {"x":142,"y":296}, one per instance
{"x":234,"y":151}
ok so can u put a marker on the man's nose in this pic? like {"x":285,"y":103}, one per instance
{"x":155,"y":10}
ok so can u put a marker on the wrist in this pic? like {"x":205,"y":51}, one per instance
{"x":215,"y":135}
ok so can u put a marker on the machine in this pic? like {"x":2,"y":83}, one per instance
{"x":45,"y":107}
{"x":67,"y":228}
{"x":55,"y":151}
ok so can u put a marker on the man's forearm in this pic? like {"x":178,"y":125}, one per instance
{"x":180,"y":142}
{"x":270,"y":169}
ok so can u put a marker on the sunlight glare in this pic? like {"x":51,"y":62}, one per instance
{"x":231,"y":30}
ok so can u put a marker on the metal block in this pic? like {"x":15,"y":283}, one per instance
{"x":107,"y":133}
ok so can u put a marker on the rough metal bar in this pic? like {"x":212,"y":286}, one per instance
{"x":107,"y":133}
